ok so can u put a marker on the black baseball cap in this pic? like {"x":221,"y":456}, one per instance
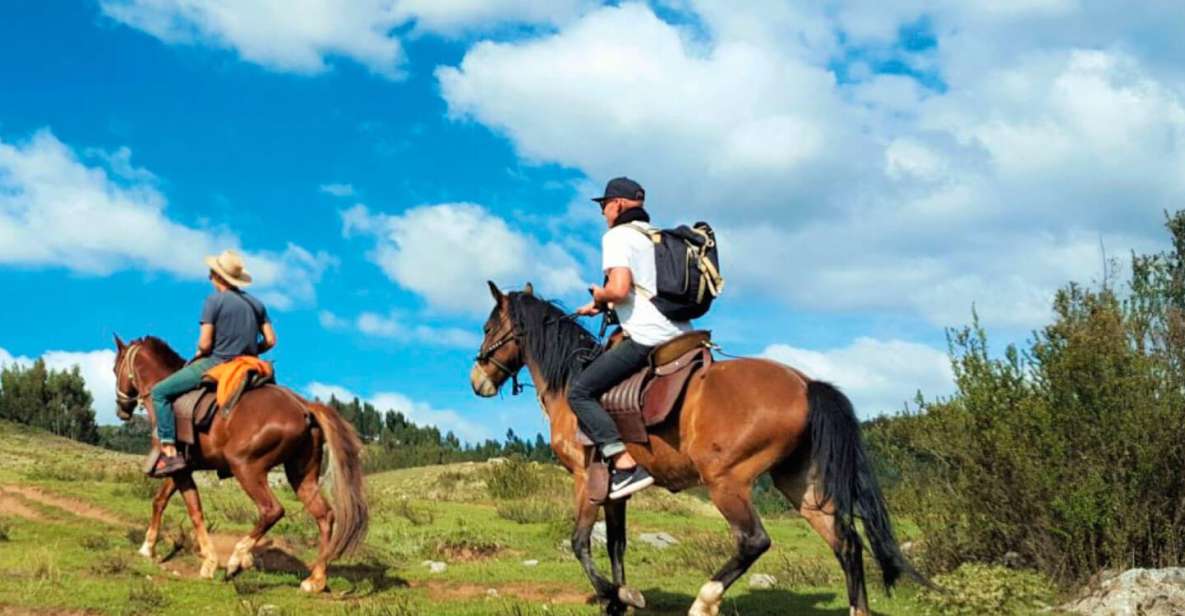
{"x":623,"y":188}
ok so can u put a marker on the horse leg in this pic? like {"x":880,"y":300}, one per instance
{"x":253,"y":480}
{"x":159,"y":502}
{"x":615,"y":536}
{"x":799,"y":483}
{"x":586,"y":517}
{"x":732,"y":497}
{"x":193,"y":504}
{"x":303,"y":472}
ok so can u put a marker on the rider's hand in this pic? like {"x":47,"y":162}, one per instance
{"x":588,"y":310}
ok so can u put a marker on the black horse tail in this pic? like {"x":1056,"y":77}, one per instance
{"x":838,"y":452}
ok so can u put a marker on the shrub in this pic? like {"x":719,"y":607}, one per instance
{"x":5,"y":531}
{"x":418,"y":515}
{"x":517,"y":478}
{"x":1068,"y":451}
{"x":532,"y":510}
{"x":145,"y":598}
{"x":462,"y":545}
{"x":988,"y":589}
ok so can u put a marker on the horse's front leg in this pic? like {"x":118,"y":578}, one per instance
{"x":193,"y":504}
{"x":615,"y":534}
{"x":609,"y":593}
{"x":159,"y":502}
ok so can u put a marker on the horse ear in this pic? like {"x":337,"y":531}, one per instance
{"x":119,"y":343}
{"x":494,"y":291}
{"x":529,"y":289}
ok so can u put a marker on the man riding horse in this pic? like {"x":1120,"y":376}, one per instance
{"x":628,"y":263}
{"x":231,"y":325}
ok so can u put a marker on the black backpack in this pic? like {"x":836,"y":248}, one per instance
{"x":688,"y":270}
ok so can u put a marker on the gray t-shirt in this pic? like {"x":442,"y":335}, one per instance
{"x":236,"y":318}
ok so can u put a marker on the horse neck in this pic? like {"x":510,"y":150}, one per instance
{"x":550,"y":400}
{"x":150,"y":369}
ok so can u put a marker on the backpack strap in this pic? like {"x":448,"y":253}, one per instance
{"x":654,"y":235}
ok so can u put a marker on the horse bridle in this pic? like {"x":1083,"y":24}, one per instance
{"x":129,"y":362}
{"x":487,"y":355}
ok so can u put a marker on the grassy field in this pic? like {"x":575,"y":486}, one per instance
{"x":72,"y":518}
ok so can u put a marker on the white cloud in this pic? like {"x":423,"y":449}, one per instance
{"x":303,"y":36}
{"x":402,"y":328}
{"x":96,"y":368}
{"x":453,"y":17}
{"x":57,"y":211}
{"x":294,"y":35}
{"x":338,"y":190}
{"x":1055,"y":130}
{"x":421,"y":413}
{"x":447,"y":252}
{"x":880,"y":376}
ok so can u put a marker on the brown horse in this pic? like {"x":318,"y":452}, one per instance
{"x":269,"y":426}
{"x":739,"y":419}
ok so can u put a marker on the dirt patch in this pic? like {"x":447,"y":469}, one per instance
{"x":440,"y":590}
{"x":73,"y":506}
{"x":270,"y":555}
{"x":15,"y":506}
{"x":12,"y":610}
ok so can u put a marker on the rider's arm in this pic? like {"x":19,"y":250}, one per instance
{"x":205,"y":340}
{"x":618,"y":287}
{"x":269,"y":336}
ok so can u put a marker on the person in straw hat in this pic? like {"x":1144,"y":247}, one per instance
{"x":232,"y":323}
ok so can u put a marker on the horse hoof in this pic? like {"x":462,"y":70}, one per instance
{"x":312,"y":586}
{"x":147,"y":552}
{"x":631,"y":597}
{"x":707,"y":603}
{"x":208,"y":569}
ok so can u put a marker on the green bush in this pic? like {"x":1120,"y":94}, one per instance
{"x":533,"y":510}
{"x":988,"y":589}
{"x":1067,"y":452}
{"x":517,"y":478}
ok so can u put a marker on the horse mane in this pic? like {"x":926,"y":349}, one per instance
{"x":560,"y":347}
{"x":162,"y":351}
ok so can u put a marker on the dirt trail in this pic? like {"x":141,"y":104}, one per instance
{"x":73,"y":506}
{"x":15,"y":506}
{"x":444,"y":591}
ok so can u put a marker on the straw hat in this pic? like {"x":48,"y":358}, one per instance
{"x":229,"y":265}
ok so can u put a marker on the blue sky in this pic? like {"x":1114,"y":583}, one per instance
{"x":873,"y":171}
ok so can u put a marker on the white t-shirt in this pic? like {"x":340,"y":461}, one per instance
{"x":626,"y":247}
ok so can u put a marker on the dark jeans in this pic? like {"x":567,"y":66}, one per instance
{"x":600,"y":376}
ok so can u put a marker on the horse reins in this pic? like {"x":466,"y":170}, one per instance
{"x":487,"y":355}
{"x":129,"y":362}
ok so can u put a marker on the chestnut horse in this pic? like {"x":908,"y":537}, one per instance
{"x":739,"y":419}
{"x":269,"y":426}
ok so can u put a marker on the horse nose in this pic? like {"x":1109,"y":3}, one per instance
{"x":480,"y":381}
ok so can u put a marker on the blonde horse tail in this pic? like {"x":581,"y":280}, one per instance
{"x":348,"y":500}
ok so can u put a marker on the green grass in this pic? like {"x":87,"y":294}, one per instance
{"x":64,"y":561}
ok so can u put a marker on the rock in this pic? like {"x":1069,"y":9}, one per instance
{"x":530,"y":563}
{"x":762,"y":581}
{"x":599,"y":534}
{"x":492,"y":593}
{"x":435,"y":566}
{"x":1148,"y":592}
{"x":1012,"y":560}
{"x":269,"y":609}
{"x":659,"y":541}
{"x":497,"y":461}
{"x":907,"y":547}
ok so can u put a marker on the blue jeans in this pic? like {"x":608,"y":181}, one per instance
{"x":172,"y":387}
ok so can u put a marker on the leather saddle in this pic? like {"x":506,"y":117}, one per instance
{"x":195,"y":412}
{"x":648,"y":398}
